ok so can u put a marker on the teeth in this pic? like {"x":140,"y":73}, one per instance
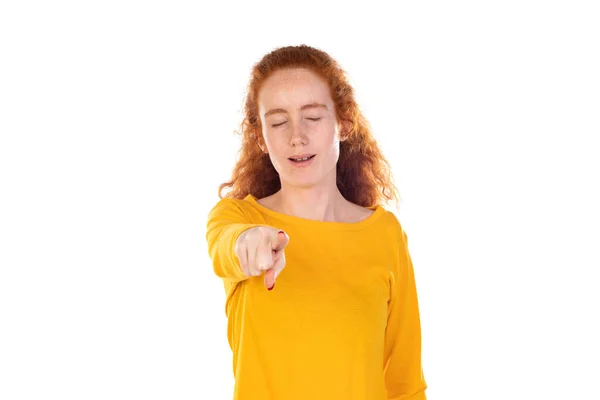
{"x":301,"y":159}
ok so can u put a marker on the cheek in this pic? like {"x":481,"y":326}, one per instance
{"x":269,"y":139}
{"x":274,"y":143}
{"x":330,"y":142}
{"x":277,"y":148}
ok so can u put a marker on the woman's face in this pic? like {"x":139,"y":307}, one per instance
{"x":298,"y":119}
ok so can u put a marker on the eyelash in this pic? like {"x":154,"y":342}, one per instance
{"x":278,"y":125}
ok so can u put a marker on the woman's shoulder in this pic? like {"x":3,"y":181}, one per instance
{"x":393,"y":226}
{"x":231,"y":205}
{"x":383,"y":219}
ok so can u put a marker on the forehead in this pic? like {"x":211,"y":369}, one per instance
{"x":292,"y":88}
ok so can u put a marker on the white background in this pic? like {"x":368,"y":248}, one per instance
{"x":117,"y":121}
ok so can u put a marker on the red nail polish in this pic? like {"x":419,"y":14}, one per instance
{"x":271,"y":288}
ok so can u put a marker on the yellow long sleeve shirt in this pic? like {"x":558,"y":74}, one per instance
{"x":342,"y":321}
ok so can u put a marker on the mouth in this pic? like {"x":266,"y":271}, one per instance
{"x":302,"y":158}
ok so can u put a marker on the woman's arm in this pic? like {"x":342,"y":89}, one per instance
{"x":402,"y":358}
{"x":226,"y":221}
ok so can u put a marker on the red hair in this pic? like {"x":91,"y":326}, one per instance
{"x":363,"y":174}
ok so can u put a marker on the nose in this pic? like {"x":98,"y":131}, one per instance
{"x":298,"y":135}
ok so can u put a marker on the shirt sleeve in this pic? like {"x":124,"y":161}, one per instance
{"x":226,"y":221}
{"x":403,"y":371}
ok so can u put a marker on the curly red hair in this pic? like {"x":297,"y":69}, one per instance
{"x":363,"y":174}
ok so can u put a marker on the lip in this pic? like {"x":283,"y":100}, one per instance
{"x":303,"y":164}
{"x":301,"y":155}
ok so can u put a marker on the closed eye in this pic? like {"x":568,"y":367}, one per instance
{"x":312,"y":119}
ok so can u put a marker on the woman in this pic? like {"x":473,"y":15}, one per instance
{"x":304,"y":213}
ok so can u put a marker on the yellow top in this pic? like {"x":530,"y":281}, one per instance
{"x":342,"y":321}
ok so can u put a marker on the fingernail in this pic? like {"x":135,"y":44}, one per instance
{"x":271,"y":288}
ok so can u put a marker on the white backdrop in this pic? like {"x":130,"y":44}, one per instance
{"x":117,"y":120}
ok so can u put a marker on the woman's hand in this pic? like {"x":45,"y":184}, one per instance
{"x":261,"y":249}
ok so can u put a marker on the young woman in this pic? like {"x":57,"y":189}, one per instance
{"x":321,"y":295}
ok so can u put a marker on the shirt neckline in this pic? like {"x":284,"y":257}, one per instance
{"x":378,"y":212}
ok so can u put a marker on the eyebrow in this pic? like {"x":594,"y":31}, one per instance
{"x":304,"y":107}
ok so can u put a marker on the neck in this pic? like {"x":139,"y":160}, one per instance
{"x":320,"y":204}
